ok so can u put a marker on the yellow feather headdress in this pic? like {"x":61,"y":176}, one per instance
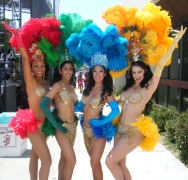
{"x":146,"y":30}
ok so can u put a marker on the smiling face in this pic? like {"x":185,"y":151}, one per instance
{"x":38,"y":68}
{"x":67,"y":71}
{"x":98,"y":74}
{"x":138,"y":74}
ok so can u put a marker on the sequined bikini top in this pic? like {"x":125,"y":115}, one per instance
{"x":134,"y":98}
{"x":94,"y":102}
{"x":40,"y":91}
{"x":66,"y":97}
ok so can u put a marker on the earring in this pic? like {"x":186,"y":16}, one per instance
{"x":32,"y":73}
{"x":43,"y":77}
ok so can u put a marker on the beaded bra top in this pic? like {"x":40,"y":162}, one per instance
{"x":40,"y":91}
{"x":94,"y":102}
{"x":134,"y":98}
{"x":66,"y":97}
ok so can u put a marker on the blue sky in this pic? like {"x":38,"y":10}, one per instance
{"x":86,"y":7}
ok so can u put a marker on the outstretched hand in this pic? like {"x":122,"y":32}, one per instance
{"x":178,"y":34}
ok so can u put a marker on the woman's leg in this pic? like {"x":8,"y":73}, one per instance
{"x":40,"y":147}
{"x":95,"y":152}
{"x":68,"y":156}
{"x":115,"y":159}
{"x":61,"y":167}
{"x":122,"y":164}
{"x":125,"y":170}
{"x":33,"y":165}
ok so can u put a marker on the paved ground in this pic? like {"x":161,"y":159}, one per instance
{"x":159,"y":164}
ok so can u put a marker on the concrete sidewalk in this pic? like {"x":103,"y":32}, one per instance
{"x":159,"y":164}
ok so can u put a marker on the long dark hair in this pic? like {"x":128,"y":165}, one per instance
{"x":107,"y":84}
{"x":57,"y":75}
{"x":147,"y":75}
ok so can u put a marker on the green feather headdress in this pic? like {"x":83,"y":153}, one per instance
{"x":70,"y":23}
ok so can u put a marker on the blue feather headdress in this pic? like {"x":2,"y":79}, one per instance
{"x":92,"y":40}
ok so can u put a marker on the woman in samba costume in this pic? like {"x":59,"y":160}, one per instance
{"x":95,"y":96}
{"x":63,"y":94}
{"x":133,"y":128}
{"x":64,"y":97}
{"x":28,"y":122}
{"x":100,"y":50}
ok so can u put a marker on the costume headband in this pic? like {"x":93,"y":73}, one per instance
{"x":99,"y":59}
{"x":35,"y":52}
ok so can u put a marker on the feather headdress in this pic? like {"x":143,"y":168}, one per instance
{"x":92,"y":40}
{"x":69,"y":23}
{"x":146,"y":29}
{"x":33,"y":31}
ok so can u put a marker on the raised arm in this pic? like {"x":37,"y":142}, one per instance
{"x":178,"y":35}
{"x":160,"y":66}
{"x":26,"y":67}
{"x":25,"y":59}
